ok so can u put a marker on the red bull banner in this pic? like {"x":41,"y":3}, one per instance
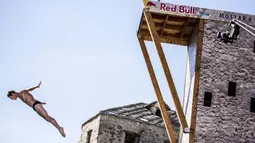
{"x":196,"y":12}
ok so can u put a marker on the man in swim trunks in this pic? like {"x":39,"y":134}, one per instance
{"x":28,"y":99}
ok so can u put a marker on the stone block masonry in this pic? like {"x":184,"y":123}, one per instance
{"x":229,"y":118}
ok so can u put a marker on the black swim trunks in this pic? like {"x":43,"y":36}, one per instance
{"x":36,"y":102}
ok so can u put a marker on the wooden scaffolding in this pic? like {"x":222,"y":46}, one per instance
{"x":166,"y":28}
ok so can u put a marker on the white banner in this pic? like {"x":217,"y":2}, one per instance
{"x":196,"y":12}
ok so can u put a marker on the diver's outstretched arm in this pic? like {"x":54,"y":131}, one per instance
{"x":32,"y":88}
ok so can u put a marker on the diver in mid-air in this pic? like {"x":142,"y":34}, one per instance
{"x":28,"y":99}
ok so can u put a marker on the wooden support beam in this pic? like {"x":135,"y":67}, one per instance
{"x":166,"y":69}
{"x":196,"y":82}
{"x":160,"y":100}
{"x":162,"y":31}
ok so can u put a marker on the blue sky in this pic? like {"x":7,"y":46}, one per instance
{"x":87,"y":56}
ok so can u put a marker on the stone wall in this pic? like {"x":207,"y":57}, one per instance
{"x":229,"y":118}
{"x":112,"y":130}
{"x":93,"y":125}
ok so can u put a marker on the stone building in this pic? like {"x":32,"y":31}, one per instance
{"x":225,"y":98}
{"x":219,"y":97}
{"x":135,"y":123}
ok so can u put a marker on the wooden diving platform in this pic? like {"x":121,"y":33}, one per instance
{"x":170,"y":28}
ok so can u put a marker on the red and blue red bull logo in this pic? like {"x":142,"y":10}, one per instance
{"x":151,"y":4}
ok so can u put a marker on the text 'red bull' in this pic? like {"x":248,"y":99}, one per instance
{"x":176,"y":8}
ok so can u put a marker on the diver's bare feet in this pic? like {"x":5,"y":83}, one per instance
{"x":61,"y":130}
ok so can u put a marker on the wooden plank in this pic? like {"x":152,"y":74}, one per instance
{"x":160,"y":100}
{"x":174,"y":21}
{"x":196,"y":84}
{"x":146,"y":27}
{"x":162,"y":31}
{"x":158,"y":20}
{"x":169,"y":40}
{"x":168,"y":28}
{"x":172,"y":31}
{"x":166,"y":69}
{"x":146,"y":32}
